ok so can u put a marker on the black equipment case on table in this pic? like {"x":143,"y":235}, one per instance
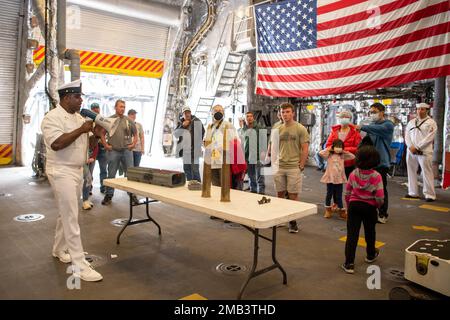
{"x":166,"y":178}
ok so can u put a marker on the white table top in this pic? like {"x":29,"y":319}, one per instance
{"x":243,"y":208}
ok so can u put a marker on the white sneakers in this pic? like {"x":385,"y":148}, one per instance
{"x":63,"y":256}
{"x":87,"y":273}
{"x":87,"y":205}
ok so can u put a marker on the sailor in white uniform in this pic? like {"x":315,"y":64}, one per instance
{"x":419,"y":137}
{"x":66,"y":138}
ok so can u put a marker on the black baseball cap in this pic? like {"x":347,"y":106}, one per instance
{"x":132,"y":111}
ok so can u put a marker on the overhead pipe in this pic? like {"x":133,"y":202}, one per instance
{"x":48,"y":30}
{"x":182,"y":88}
{"x":438,"y":112}
{"x":162,"y":14}
{"x":39,"y":10}
{"x":63,"y":53}
{"x":52,"y":62}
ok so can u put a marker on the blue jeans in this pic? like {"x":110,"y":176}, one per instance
{"x":115,"y":158}
{"x":102,"y":163}
{"x":86,"y":188}
{"x":321,"y":163}
{"x":334,"y":191}
{"x":383,"y":210}
{"x":192,"y":170}
{"x":137,"y":155}
{"x":257,"y":184}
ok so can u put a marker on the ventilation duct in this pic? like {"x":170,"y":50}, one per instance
{"x":159,"y":13}
{"x":70,"y":54}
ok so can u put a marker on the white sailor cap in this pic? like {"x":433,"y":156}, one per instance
{"x":71,"y":87}
{"x":423,"y":105}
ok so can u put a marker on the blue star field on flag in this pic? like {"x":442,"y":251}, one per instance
{"x":285,"y":26}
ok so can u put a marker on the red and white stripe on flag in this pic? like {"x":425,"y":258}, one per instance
{"x":362,"y":45}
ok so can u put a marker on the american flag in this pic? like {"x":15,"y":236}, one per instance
{"x":321,"y":47}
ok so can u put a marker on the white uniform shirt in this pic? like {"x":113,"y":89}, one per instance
{"x":57,"y":122}
{"x":421,"y":138}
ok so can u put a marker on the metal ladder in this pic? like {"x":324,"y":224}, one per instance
{"x":229,"y":73}
{"x":203,"y":108}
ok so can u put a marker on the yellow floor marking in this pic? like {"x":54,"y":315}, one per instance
{"x":411,"y":199}
{"x":194,"y":296}
{"x":435,"y":208}
{"x":362,"y":242}
{"x":425,"y":228}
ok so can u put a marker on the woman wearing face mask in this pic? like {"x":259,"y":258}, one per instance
{"x":217,"y":165}
{"x":346,"y":132}
{"x":334,"y":176}
{"x":214,"y":143}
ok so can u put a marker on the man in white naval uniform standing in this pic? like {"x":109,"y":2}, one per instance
{"x":419,"y":137}
{"x":66,"y":139}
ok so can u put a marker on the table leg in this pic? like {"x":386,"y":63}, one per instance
{"x":148,"y":214}
{"x":275,"y":265}
{"x":255,"y":263}
{"x":130,"y":222}
{"x":274,"y":251}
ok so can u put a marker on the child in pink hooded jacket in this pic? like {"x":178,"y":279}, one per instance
{"x":364,"y":195}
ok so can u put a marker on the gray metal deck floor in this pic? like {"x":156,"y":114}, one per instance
{"x":184,"y":260}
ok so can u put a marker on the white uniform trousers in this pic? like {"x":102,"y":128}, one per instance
{"x":425,"y":161}
{"x":66,"y":183}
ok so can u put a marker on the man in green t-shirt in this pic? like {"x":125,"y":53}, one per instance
{"x":290,"y":143}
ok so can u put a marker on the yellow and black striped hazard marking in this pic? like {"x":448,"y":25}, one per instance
{"x":434,"y":208}
{"x":194,"y":296}
{"x":99,"y":62}
{"x":362,"y":242}
{"x":5,"y":154}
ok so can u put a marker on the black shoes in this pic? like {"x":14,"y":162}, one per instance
{"x":372,"y":259}
{"x":382,"y":217}
{"x":348,"y":267}
{"x":106,"y":200}
{"x":293,"y":227}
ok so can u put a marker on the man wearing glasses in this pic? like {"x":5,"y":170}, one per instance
{"x":381,"y":132}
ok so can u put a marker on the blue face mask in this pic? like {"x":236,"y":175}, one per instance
{"x":375,"y":117}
